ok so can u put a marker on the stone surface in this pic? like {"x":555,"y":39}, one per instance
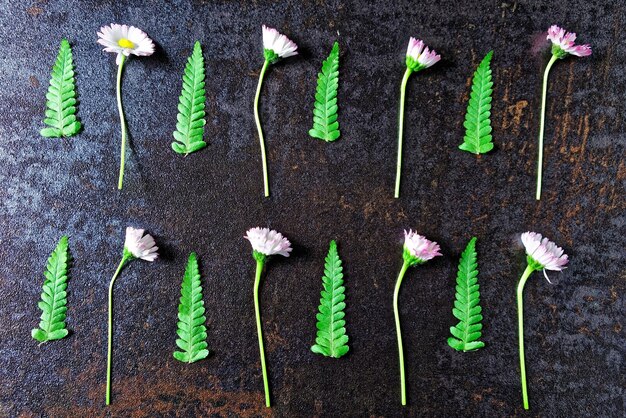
{"x":206,"y":201}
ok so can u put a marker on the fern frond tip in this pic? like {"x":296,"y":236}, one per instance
{"x":191,"y":120}
{"x":191,"y":329}
{"x":325,"y":124}
{"x":467,"y":307}
{"x":331,"y":340}
{"x":478,"y":138}
{"x":53,"y":303}
{"x":60,"y":111}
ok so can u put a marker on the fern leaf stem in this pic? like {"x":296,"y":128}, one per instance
{"x":466,"y":318}
{"x":520,"y":319}
{"x":257,"y":312}
{"x":260,"y":129}
{"x":53,"y":304}
{"x":192,"y":101}
{"x":110,"y":331}
{"x":544,"y":91}
{"x":122,"y":122}
{"x":407,"y":73}
{"x":60,"y":101}
{"x":396,"y":314}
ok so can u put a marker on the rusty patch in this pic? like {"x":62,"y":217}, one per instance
{"x":34,"y":11}
{"x":274,"y":340}
{"x":34,"y":82}
{"x":512,"y":118}
{"x":132,"y":397}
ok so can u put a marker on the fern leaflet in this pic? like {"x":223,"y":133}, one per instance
{"x":190,"y":126}
{"x":191,"y":330}
{"x":466,"y":306}
{"x":53,"y":296}
{"x":61,"y":97}
{"x":477,"y":119}
{"x":332,"y":340}
{"x":325,"y":125}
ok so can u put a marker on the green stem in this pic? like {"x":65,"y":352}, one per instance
{"x":257,"y":280}
{"x":122,"y":122}
{"x":520,"y":318}
{"x":407,"y":73}
{"x":544,"y":91}
{"x":396,"y":314}
{"x":110,"y":334}
{"x":260,"y":130}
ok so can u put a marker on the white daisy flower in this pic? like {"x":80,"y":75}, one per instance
{"x":276,"y":45}
{"x":268,"y":242}
{"x":140,"y":246}
{"x":125,"y":40}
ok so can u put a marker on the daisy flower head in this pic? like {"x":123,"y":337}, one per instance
{"x":563,"y":43}
{"x":266,"y":242}
{"x":138,"y":245}
{"x":418,"y":249}
{"x":277,"y":45}
{"x":543,"y":254}
{"x":418,"y":56}
{"x":125,"y":40}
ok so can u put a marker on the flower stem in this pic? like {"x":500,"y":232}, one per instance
{"x":405,"y":266}
{"x":520,"y":318}
{"x":257,"y":280}
{"x":260,"y":130}
{"x":542,"y":123}
{"x":122,"y":121}
{"x":407,"y":73}
{"x":110,"y":334}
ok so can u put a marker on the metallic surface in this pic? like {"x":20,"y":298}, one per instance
{"x":205,"y":202}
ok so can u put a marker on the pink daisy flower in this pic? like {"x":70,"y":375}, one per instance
{"x":418,"y":249}
{"x":543,"y":254}
{"x":563,"y":43}
{"x":418,"y":56}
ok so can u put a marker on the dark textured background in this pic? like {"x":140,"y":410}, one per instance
{"x":206,"y":201}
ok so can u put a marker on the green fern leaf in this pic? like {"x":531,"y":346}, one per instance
{"x":332,"y":340}
{"x":466,"y":306}
{"x":191,"y":330}
{"x":61,"y":97}
{"x":325,"y":125}
{"x":477,"y":119}
{"x":53,"y":296}
{"x":190,"y":126}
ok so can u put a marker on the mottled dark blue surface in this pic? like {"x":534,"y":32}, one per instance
{"x":205,"y":202}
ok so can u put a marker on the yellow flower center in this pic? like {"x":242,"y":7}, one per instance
{"x":125,"y":43}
